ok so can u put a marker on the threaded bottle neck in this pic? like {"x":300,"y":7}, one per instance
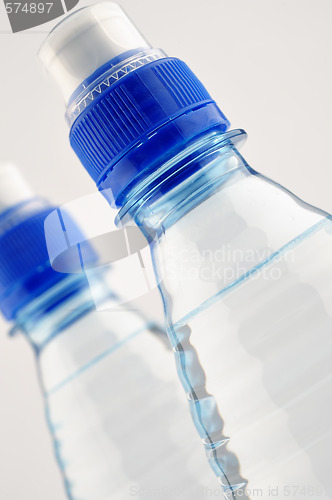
{"x":181,"y":183}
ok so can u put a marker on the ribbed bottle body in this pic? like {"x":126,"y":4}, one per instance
{"x":246,"y":278}
{"x":118,"y":418}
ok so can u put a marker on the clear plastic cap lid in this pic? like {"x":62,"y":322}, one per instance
{"x":13,"y":187}
{"x":85,"y":41}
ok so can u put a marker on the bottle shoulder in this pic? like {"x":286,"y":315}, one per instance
{"x":58,"y":307}
{"x":251,"y":201}
{"x":229,"y":236}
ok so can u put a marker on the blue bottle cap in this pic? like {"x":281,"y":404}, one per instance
{"x":123,"y":95}
{"x":25,"y":268}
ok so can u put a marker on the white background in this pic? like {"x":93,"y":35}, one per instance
{"x":267,"y":63}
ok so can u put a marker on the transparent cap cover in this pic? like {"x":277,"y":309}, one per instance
{"x":13,"y":187}
{"x":85,"y":41}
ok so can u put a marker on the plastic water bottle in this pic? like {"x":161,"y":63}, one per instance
{"x":120,"y":426}
{"x":244,"y":266}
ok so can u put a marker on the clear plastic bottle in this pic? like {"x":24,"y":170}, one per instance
{"x":118,"y":420}
{"x":245,"y":271}
{"x":244,"y":267}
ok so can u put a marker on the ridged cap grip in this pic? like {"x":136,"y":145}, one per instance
{"x":132,"y":109}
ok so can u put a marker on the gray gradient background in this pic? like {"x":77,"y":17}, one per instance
{"x":268,"y":64}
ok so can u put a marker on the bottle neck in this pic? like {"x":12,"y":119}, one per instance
{"x":183,"y":182}
{"x":56,"y":309}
